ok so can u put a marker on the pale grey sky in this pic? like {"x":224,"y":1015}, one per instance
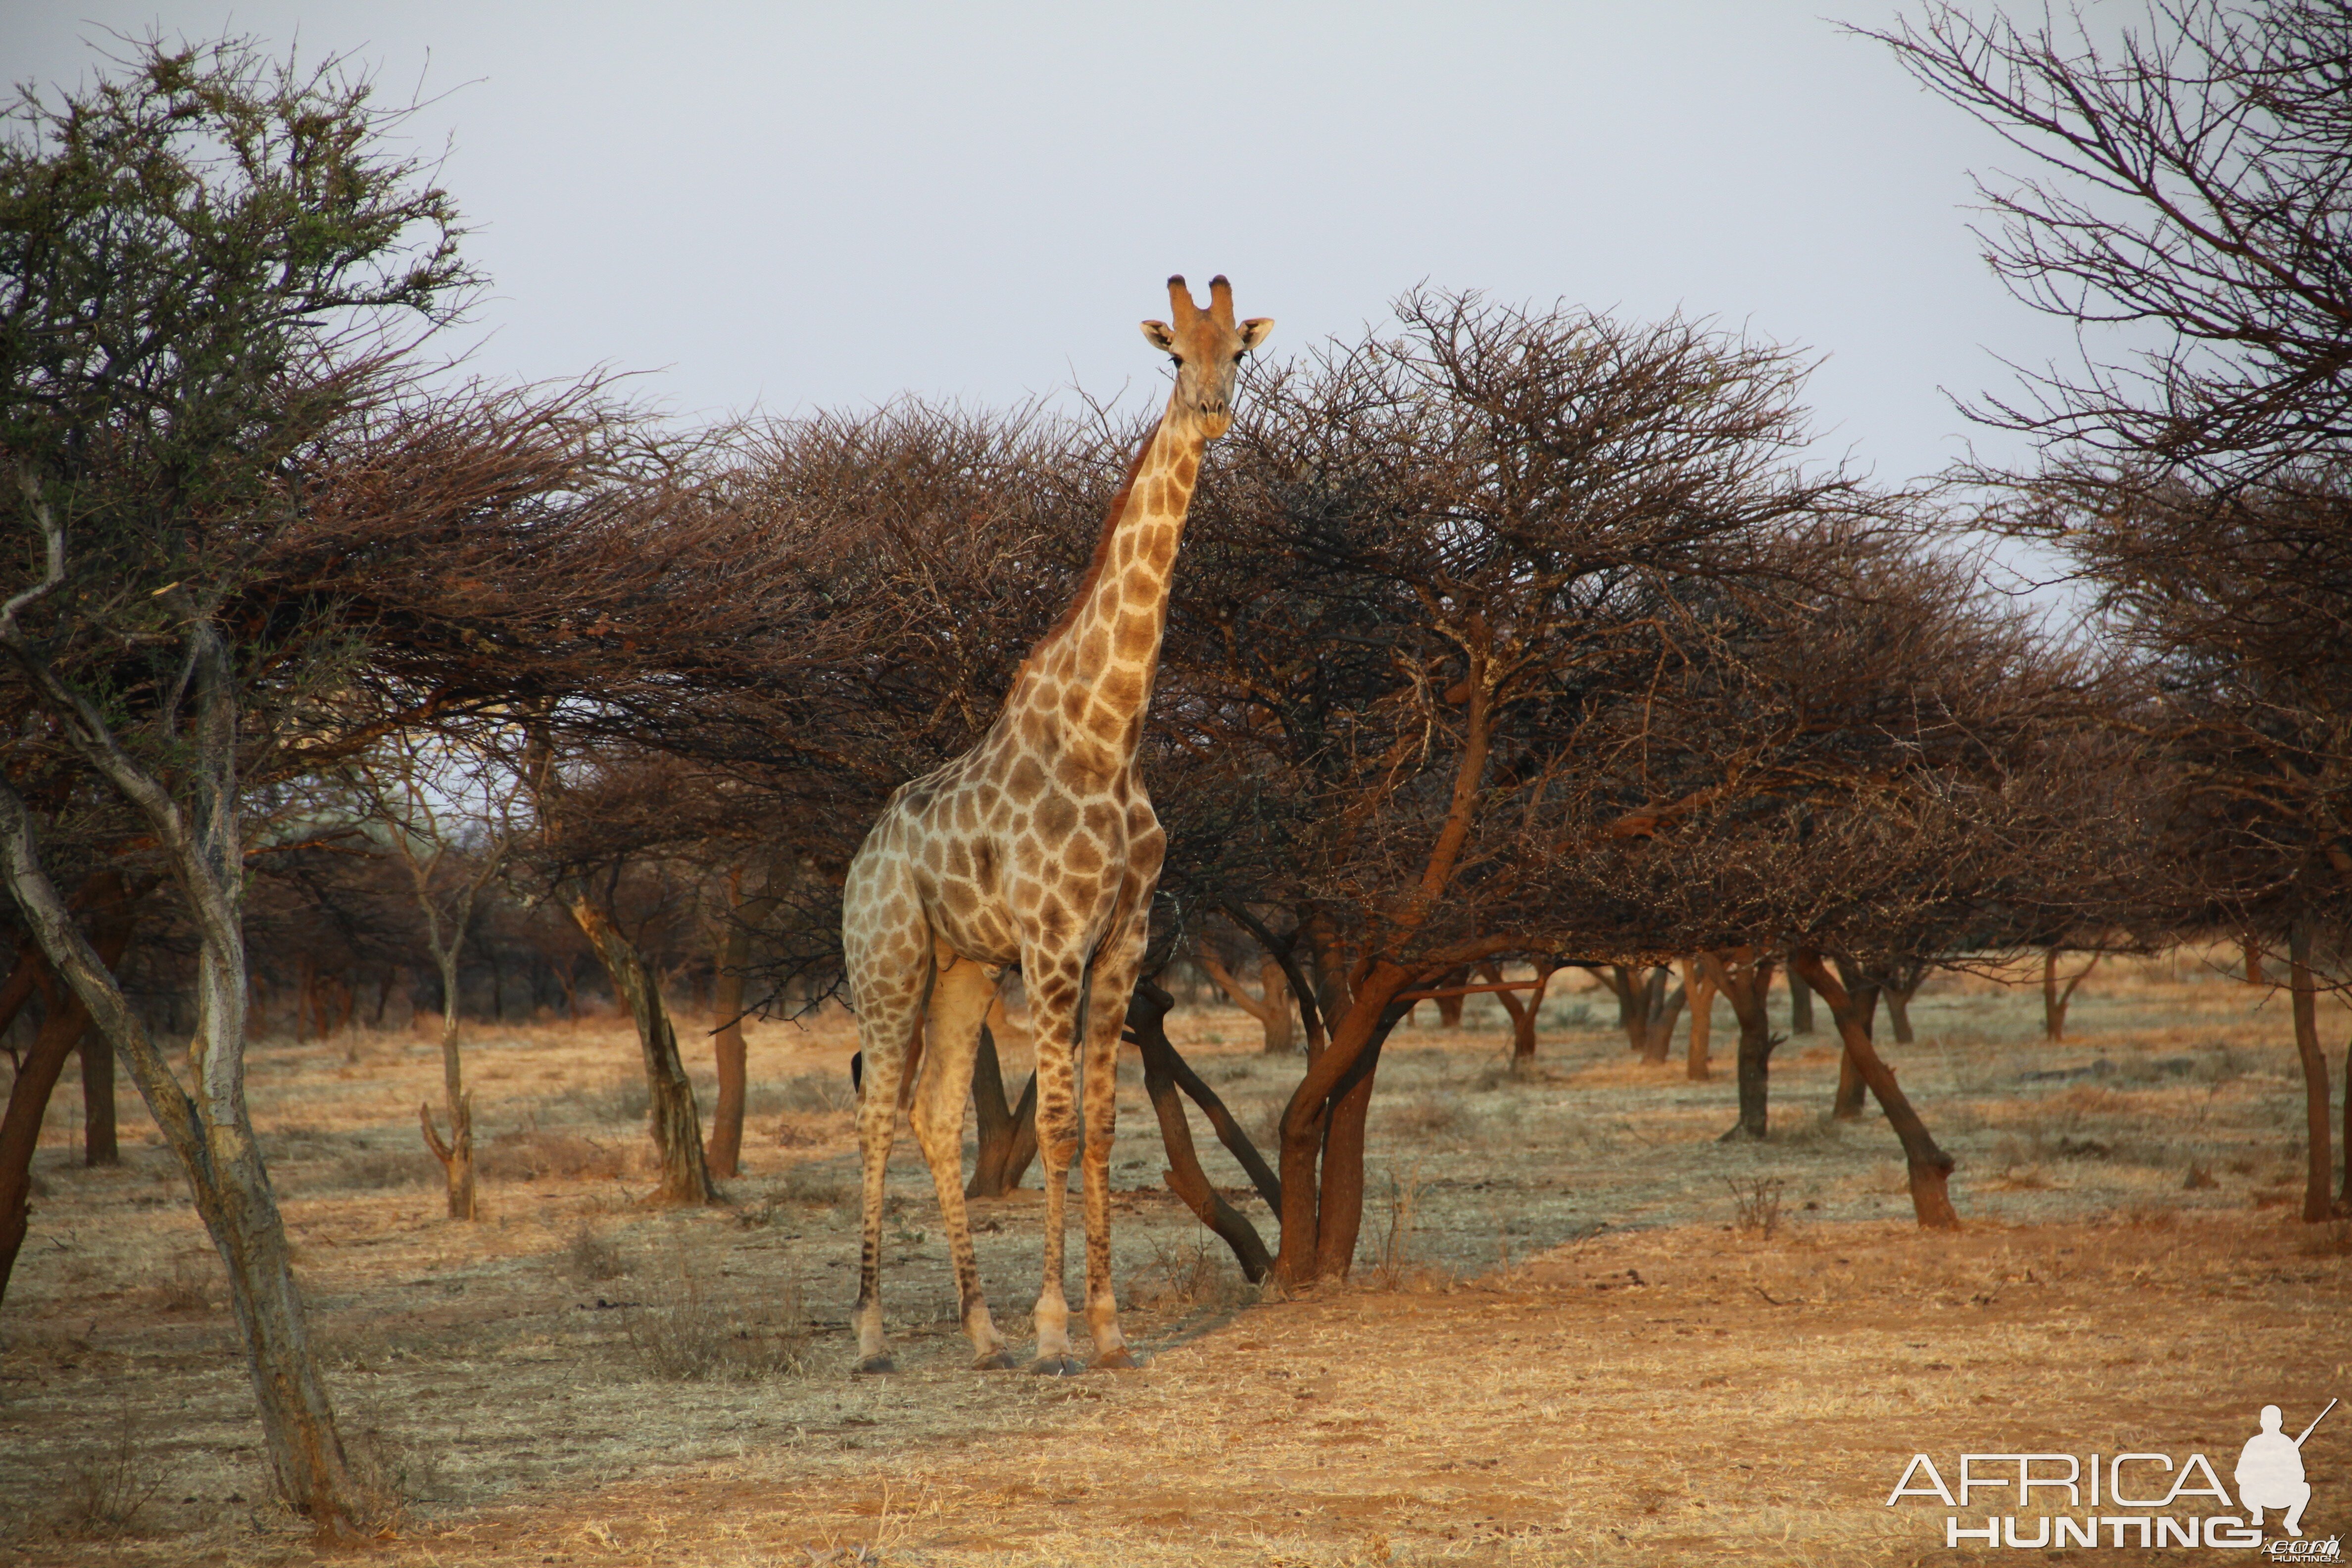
{"x":790,"y":205}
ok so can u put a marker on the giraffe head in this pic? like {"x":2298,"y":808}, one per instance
{"x":1207,"y":346}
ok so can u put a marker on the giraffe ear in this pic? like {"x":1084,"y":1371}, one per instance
{"x":1255,"y":331}
{"x":1160,"y":336}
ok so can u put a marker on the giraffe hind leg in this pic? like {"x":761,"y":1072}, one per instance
{"x":960,"y":1002}
{"x":1054,"y":986}
{"x":889,"y":1031}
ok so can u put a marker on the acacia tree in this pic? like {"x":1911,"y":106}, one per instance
{"x":2191,"y":186}
{"x":450,"y":816}
{"x":1420,"y":574}
{"x":1926,"y":798}
{"x":203,"y":259}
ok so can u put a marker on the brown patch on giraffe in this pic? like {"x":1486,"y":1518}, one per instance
{"x":1122,"y":687}
{"x":1101,"y":821}
{"x":1025,"y":783}
{"x":1187,"y":469}
{"x":1056,"y":815}
{"x":1082,"y":855}
{"x":1138,"y":630}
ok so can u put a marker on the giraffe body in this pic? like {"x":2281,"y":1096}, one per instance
{"x":1037,"y":849}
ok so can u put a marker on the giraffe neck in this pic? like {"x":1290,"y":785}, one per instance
{"x":1089,"y":680}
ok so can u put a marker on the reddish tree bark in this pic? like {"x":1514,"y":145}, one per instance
{"x":1699,"y":985}
{"x":1008,"y":1133}
{"x":1524,"y":1013}
{"x":1271,"y":1007}
{"x":2055,"y":999}
{"x":1863,"y":993}
{"x":1146,"y":1013}
{"x":1930,"y":1168}
{"x":65,"y":1023}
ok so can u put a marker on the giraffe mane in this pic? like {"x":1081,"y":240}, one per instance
{"x":1102,"y":544}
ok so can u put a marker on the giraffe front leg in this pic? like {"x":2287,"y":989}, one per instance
{"x":1054,"y":996}
{"x":1114,"y":982}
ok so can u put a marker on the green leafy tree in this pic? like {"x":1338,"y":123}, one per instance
{"x":211,"y":269}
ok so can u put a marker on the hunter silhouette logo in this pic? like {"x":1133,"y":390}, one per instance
{"x":2149,"y":1501}
{"x":2270,"y":1471}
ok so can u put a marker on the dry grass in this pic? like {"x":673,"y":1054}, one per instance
{"x":1756,"y":1204}
{"x":1555,"y":1350}
{"x":1187,"y":1276}
{"x":109,"y":1483}
{"x":531,"y":1155}
{"x":688,"y":1335}
{"x":191,"y":1283}
{"x":590,"y":1258}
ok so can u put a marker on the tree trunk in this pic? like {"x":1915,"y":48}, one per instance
{"x":2254,"y":953}
{"x":211,"y":1131}
{"x":1340,"y":1216}
{"x":1899,"y":1013}
{"x":1930,"y":1167}
{"x":1700,"y":988}
{"x":1271,"y":1007}
{"x":64,"y":1024}
{"x":2055,"y":999}
{"x":1008,"y":1133}
{"x":1309,"y":1184}
{"x":100,"y":1146}
{"x":1449,"y":1008}
{"x":1801,"y":1005}
{"x":1524,"y":1014}
{"x":457,"y":1156}
{"x":1745,"y":978}
{"x":1633,"y":1015}
{"x":1863,"y":993}
{"x":1666,"y":1007}
{"x":2318,"y":1154}
{"x":725,"y":1153}
{"x":1146,"y":1013}
{"x":670,"y":1113}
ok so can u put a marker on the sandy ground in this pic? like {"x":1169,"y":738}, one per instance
{"x":1573,"y":1338}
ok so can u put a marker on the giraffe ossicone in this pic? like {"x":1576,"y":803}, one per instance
{"x":1037,"y":849}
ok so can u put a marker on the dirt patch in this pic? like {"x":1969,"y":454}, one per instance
{"x":1583,"y":1329}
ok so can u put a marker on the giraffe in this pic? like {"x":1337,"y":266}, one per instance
{"x":1038,"y":849}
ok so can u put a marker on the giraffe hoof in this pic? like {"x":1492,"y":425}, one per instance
{"x":874,"y":1365}
{"x":1057,"y":1366}
{"x":1120,"y":1360}
{"x":995,"y":1360}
